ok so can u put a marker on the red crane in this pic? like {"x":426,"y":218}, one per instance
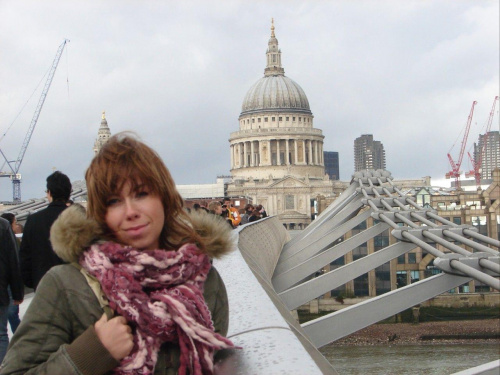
{"x":455,"y":167}
{"x":477,"y":161}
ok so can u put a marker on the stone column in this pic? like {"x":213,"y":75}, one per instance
{"x":245,"y":152}
{"x":235,"y":159}
{"x":237,"y":154}
{"x":242,"y":159}
{"x":278,"y":158}
{"x":304,"y":151}
{"x":269,"y":153}
{"x":260,"y":153}
{"x":287,"y":158}
{"x":265,"y":156}
{"x":231,"y":156}
{"x":295,"y":147}
{"x":252,"y":151}
{"x":316,"y":152}
{"x":311,"y":161}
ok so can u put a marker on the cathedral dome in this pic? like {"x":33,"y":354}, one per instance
{"x":275,"y":92}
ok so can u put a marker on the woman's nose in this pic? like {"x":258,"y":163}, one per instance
{"x":130,"y":208}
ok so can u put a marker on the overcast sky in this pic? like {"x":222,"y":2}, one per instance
{"x":176,"y":72}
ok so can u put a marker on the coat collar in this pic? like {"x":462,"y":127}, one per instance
{"x":72,"y":233}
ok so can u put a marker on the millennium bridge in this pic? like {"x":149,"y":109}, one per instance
{"x":272,"y":274}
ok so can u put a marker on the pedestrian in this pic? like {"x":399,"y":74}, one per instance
{"x":140,"y":295}
{"x":13,"y":315}
{"x":215,"y":207}
{"x":231,"y":212}
{"x":248,"y":212}
{"x":10,"y":277}
{"x":36,"y":254}
{"x":204,"y":206}
{"x":254,"y":216}
{"x":261,"y":210}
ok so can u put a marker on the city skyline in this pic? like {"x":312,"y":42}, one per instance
{"x":177,"y":73}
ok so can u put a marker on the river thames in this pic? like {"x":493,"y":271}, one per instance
{"x":414,"y":359}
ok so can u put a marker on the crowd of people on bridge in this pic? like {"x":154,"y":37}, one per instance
{"x":226,"y":209}
{"x":126,"y":284}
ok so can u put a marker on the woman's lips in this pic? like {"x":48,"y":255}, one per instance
{"x":136,"y":230}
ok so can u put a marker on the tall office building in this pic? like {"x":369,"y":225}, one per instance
{"x":368,"y":154}
{"x":491,"y":153}
{"x":331,"y":160}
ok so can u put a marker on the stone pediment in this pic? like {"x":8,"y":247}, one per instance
{"x":288,"y":181}
{"x":293,"y":216}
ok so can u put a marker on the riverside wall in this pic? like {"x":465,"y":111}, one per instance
{"x":462,"y":300}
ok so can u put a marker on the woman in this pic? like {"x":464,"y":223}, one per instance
{"x":143,"y":298}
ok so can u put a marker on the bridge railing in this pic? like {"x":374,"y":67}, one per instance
{"x":271,"y":339}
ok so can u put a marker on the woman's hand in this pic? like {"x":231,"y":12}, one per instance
{"x":115,"y":335}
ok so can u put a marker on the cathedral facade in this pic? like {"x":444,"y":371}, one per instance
{"x":277,"y":154}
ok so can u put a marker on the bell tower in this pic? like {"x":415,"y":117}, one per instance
{"x":103,"y":134}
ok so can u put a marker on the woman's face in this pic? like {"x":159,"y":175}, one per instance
{"x":136,"y":217}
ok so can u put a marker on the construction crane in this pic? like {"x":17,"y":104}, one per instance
{"x":14,"y":165}
{"x":477,"y":161}
{"x":455,"y":167}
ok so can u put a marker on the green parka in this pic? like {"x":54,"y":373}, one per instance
{"x":57,"y":336}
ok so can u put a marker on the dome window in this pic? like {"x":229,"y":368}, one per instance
{"x":280,"y":118}
{"x":253,"y":120}
{"x":300,"y":119}
{"x":293,"y":119}
{"x":258,"y":119}
{"x":288,"y":119}
{"x":265,"y":119}
{"x":273,"y":119}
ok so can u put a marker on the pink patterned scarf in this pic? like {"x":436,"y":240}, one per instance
{"x":160,"y":293}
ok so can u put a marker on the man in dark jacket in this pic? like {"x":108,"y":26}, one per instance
{"x":36,"y":254}
{"x":10,"y":276}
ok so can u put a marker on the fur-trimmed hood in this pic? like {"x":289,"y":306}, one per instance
{"x":73,"y":232}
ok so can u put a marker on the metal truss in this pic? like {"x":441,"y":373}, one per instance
{"x":373,"y":193}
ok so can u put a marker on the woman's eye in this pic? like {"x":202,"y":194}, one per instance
{"x":112,"y":201}
{"x":141,"y":194}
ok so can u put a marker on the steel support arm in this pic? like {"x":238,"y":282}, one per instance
{"x":301,"y":271}
{"x":342,"y":323}
{"x":323,"y":240}
{"x":303,"y":293}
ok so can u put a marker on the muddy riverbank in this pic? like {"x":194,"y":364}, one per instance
{"x":486,"y":330}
